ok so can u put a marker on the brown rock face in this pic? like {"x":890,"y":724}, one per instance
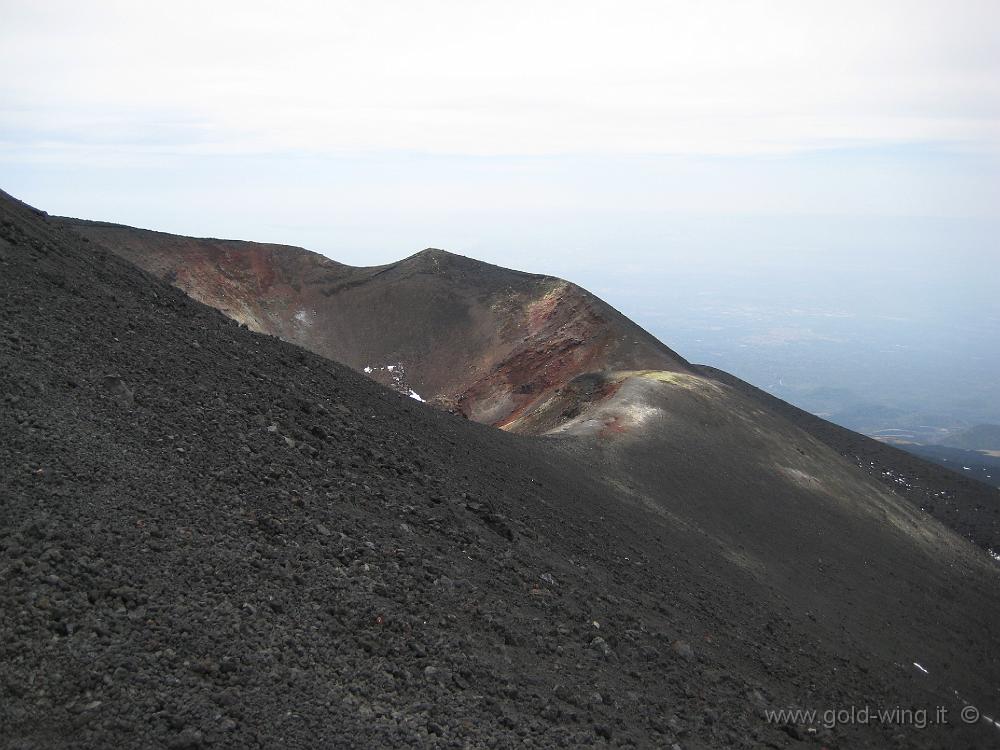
{"x":485,"y":341}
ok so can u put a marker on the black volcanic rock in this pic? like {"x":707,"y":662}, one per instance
{"x":262,"y":548}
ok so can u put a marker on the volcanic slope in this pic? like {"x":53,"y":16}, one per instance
{"x":499,"y":346}
{"x":969,"y":506}
{"x":212,"y":537}
{"x":486,"y":341}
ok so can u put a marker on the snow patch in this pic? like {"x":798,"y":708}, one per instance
{"x":303,"y":317}
{"x":396,"y":379}
{"x":995,"y":555}
{"x":920,"y":668}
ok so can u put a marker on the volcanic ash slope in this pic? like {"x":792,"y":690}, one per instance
{"x":212,"y":537}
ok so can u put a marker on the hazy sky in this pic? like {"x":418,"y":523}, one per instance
{"x":645,"y":149}
{"x":296,"y":118}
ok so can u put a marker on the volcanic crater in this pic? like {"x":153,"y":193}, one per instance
{"x":213,"y":537}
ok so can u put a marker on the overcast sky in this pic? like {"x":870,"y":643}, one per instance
{"x":102,"y":80}
{"x":546,"y":135}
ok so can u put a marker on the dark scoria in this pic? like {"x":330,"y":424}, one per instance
{"x":210,"y":537}
{"x":497,"y":345}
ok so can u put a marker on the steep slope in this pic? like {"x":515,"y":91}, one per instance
{"x":983,"y":466}
{"x":482,"y":340}
{"x":214,"y":537}
{"x":970,"y":507}
{"x":493,"y":344}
